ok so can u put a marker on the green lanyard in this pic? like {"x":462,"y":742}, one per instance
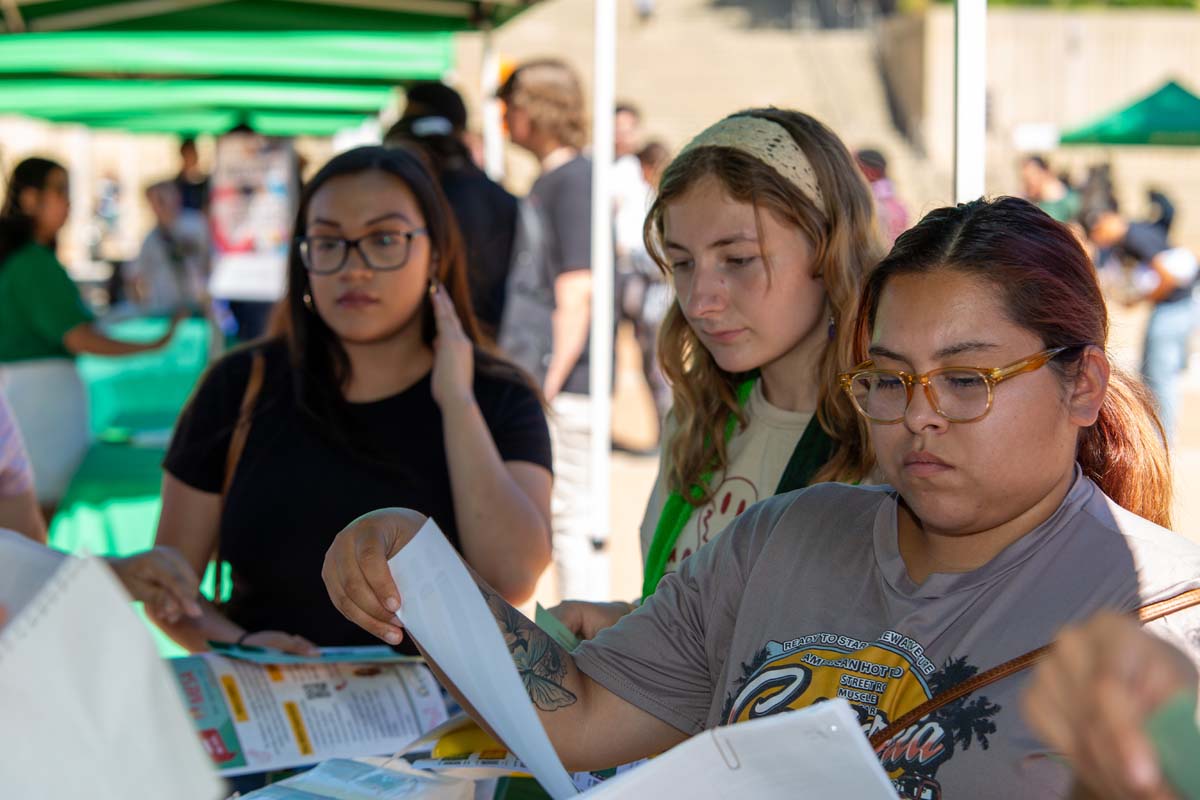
{"x":812,"y":451}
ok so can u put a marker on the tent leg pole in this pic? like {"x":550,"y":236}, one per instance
{"x":970,"y":99}
{"x":601,"y":354}
{"x":489,"y":82}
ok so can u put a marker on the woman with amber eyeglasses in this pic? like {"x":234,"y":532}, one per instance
{"x":1024,"y":492}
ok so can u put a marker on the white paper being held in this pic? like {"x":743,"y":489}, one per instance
{"x":445,"y":611}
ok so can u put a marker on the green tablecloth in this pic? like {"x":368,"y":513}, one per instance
{"x":145,"y":391}
{"x":112,"y":504}
{"x":111,"y":509}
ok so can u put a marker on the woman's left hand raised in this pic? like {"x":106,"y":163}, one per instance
{"x":454,"y":356}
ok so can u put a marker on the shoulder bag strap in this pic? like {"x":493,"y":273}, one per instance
{"x":1147,"y":613}
{"x":237,"y":443}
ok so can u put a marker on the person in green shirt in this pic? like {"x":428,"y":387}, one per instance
{"x":44,"y":324}
{"x":1049,"y":192}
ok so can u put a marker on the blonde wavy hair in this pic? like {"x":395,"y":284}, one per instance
{"x":549,"y":90}
{"x":846,"y":245}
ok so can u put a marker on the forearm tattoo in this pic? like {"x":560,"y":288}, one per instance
{"x":541,"y":662}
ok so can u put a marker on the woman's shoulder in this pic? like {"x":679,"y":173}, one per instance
{"x":823,"y":504}
{"x":31,"y":256}
{"x":232,"y":370}
{"x":499,"y":382}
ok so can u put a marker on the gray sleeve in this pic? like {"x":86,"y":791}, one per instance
{"x":666,"y":657}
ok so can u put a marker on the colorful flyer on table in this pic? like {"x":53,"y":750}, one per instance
{"x":258,"y":717}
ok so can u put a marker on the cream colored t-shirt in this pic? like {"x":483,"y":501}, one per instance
{"x":758,"y":456}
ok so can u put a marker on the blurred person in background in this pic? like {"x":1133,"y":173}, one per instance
{"x":44,"y":324}
{"x":18,"y":502}
{"x":642,"y":293}
{"x":653,"y":159}
{"x":191,"y":181}
{"x":893,"y":214}
{"x":160,"y":577}
{"x":171,"y":271}
{"x":546,"y":328}
{"x":1163,"y":276}
{"x":434,"y":122}
{"x":1049,"y":192}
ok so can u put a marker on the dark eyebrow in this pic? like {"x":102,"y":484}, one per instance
{"x":390,"y":215}
{"x":879,"y":351}
{"x":964,"y":347}
{"x":735,"y":238}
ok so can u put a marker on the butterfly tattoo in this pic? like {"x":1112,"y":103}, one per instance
{"x":540,"y":661}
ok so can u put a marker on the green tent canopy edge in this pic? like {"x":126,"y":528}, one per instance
{"x":298,"y":55}
{"x":1167,"y":117}
{"x":257,"y":15}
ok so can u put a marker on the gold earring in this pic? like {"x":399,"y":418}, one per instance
{"x":308,"y":301}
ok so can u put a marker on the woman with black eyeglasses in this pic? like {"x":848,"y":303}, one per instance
{"x":371,"y":392}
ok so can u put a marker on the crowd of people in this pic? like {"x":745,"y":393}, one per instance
{"x":893,"y":458}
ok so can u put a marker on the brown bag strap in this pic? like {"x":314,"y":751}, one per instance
{"x":237,"y":443}
{"x":1147,"y":613}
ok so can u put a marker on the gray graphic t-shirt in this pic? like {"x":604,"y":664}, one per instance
{"x":805,"y":597}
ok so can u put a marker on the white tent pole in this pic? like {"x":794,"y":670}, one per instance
{"x":489,"y":82}
{"x":970,"y":99}
{"x":601,"y":354}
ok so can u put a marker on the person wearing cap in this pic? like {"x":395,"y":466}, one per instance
{"x":893,"y":215}
{"x":434,"y":123}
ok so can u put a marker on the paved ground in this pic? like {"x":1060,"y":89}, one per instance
{"x":633,"y":476}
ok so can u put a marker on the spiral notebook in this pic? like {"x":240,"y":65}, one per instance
{"x":89,"y":709}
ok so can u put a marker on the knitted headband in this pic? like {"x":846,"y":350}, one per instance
{"x":770,"y":143}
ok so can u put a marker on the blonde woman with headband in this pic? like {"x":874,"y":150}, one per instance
{"x":766,"y":229}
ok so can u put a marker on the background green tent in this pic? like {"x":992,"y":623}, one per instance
{"x":357,"y":57}
{"x":257,"y":15}
{"x":1169,"y":116}
{"x":281,"y":83}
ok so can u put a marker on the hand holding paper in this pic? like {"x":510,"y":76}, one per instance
{"x":443,"y":608}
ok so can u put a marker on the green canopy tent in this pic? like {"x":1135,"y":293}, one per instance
{"x":1169,"y":116}
{"x":189,"y":107}
{"x":356,"y":57}
{"x":390,"y":16}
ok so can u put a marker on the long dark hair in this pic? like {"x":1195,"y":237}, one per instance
{"x":16,"y":227}
{"x":1048,"y":286}
{"x":321,"y":367}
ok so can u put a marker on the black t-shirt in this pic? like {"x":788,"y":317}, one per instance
{"x":295,"y":488}
{"x":487,"y":217}
{"x":563,"y":197}
{"x":193,"y":194}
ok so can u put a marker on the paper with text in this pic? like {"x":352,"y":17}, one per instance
{"x":443,"y":608}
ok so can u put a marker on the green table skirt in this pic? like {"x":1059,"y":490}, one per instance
{"x":146,"y":391}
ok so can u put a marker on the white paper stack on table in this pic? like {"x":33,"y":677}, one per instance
{"x":815,"y":753}
{"x":87,"y":708}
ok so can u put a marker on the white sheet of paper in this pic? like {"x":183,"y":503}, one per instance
{"x":817,"y":752}
{"x":443,"y":608}
{"x":89,"y":709}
